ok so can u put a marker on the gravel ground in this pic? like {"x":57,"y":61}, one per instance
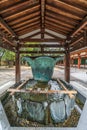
{"x":8,"y":74}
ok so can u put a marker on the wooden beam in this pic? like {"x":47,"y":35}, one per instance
{"x":40,"y":40}
{"x":56,"y":25}
{"x":66,"y":7}
{"x":2,"y":1}
{"x":28,"y":30}
{"x":54,"y":36}
{"x":36,"y":56}
{"x":79,"y":46}
{"x":9,"y":41}
{"x":44,"y":52}
{"x":59,"y":11}
{"x":6,"y":27}
{"x":16,"y":15}
{"x":77,"y":4}
{"x":41,"y":45}
{"x":26,"y":22}
{"x":79,"y":51}
{"x":7,"y":47}
{"x":19,"y":5}
{"x":76,"y":40}
{"x":56,"y":30}
{"x":6,"y":39}
{"x":85,"y":37}
{"x":32,"y":35}
{"x":59,"y":22}
{"x":42,"y":18}
{"x":24,"y":18}
{"x":27,"y":26}
{"x":61,"y":18}
{"x":79,"y":27}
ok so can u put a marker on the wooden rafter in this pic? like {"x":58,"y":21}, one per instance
{"x":60,"y":23}
{"x":28,"y":30}
{"x":76,"y":40}
{"x":27,"y":26}
{"x":56,"y":25}
{"x":57,"y":30}
{"x":26,"y":17}
{"x":79,"y":27}
{"x":56,"y":10}
{"x":2,"y":1}
{"x":6,"y":39}
{"x":66,"y":7}
{"x":85,"y":37}
{"x":7,"y":46}
{"x":79,"y":51}
{"x":35,"y":56}
{"x":54,"y":36}
{"x":26,"y":22}
{"x":16,"y":15}
{"x":42,"y":18}
{"x":79,"y":4}
{"x":6,"y":27}
{"x":17,"y":6}
{"x":32,"y":35}
{"x":61,"y":19}
{"x":9,"y":41}
{"x":79,"y":46}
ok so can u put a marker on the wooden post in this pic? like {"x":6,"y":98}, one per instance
{"x":79,"y":61}
{"x":67,"y":64}
{"x":17,"y":65}
{"x":72,"y":61}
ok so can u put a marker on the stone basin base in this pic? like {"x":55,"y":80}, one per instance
{"x":69,"y":124}
{"x":44,"y":108}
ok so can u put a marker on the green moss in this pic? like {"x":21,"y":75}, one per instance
{"x":80,"y":104}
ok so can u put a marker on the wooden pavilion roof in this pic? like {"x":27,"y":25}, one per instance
{"x":62,"y":21}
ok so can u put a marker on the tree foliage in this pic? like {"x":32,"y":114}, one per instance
{"x":2,"y":51}
{"x":8,"y":56}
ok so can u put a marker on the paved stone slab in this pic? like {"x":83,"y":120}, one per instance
{"x":4,"y":87}
{"x":80,"y":88}
{"x":82,"y":125}
{"x":41,"y":128}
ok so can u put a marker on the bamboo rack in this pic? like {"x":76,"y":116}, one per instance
{"x":41,"y":91}
{"x":71,"y":93}
{"x":19,"y":87}
{"x":64,"y":87}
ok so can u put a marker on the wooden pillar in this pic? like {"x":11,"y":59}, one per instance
{"x":67,"y":64}
{"x":17,"y":66}
{"x":85,"y":37}
{"x":79,"y":61}
{"x":72,"y":61}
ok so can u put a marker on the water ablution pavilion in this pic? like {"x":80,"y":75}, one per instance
{"x":56,"y":29}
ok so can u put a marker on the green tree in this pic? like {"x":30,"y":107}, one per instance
{"x":9,"y":57}
{"x":2,"y":51}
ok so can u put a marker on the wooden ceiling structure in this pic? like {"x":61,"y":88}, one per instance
{"x":62,"y":22}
